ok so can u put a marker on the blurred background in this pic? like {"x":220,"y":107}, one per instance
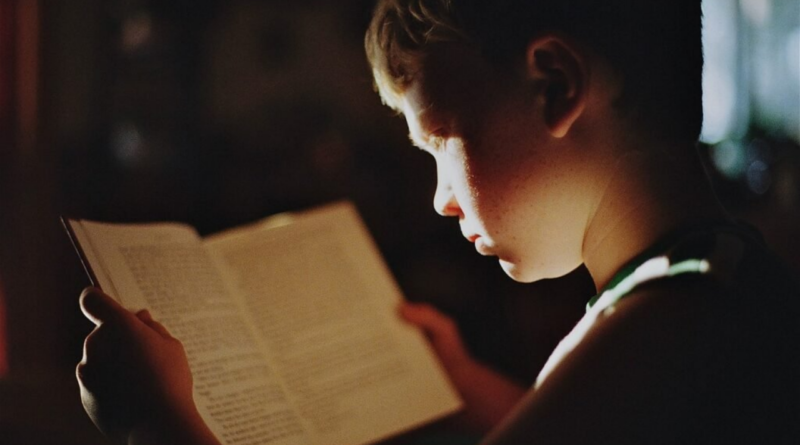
{"x":218,"y":113}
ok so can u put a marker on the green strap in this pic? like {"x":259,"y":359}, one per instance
{"x":623,"y":282}
{"x":653,"y":269}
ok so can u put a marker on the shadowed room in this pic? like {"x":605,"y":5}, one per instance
{"x":220,"y":113}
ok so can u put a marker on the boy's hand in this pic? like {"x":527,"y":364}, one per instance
{"x":488,"y":396}
{"x":442,"y":332}
{"x":134,"y":375}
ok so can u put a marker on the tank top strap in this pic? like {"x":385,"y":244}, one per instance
{"x":708,"y":248}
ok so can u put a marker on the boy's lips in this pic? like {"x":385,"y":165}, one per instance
{"x":482,"y":247}
{"x":480,"y":244}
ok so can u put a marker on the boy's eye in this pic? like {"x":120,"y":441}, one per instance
{"x":437,"y":142}
{"x":438,"y":139}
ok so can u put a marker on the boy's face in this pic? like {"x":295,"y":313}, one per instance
{"x":514,"y":188}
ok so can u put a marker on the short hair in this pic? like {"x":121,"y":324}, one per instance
{"x":655,"y":46}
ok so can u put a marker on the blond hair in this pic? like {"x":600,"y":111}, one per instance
{"x":655,"y":47}
{"x":397,"y":40}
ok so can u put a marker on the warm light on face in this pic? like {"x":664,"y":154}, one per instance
{"x":473,"y":176}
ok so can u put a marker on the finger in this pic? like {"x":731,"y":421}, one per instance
{"x":427,"y":318}
{"x":99,"y":307}
{"x":144,"y":315}
{"x":84,"y":376}
{"x":441,"y":330}
{"x":100,"y":348}
{"x":146,"y":318}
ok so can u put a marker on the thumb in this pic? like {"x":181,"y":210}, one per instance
{"x":99,"y":307}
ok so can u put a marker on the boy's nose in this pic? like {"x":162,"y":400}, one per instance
{"x":444,"y":201}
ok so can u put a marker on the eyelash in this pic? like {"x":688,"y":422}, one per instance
{"x":436,"y":141}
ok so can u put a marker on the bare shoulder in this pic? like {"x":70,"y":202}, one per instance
{"x":707,"y":357}
{"x":625,"y":381}
{"x":676,"y":361}
{"x":667,"y":310}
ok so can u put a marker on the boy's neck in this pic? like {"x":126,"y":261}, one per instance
{"x":650,"y":193}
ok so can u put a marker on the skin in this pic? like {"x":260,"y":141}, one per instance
{"x":542,"y":173}
{"x":542,"y":181}
{"x":498,"y":171}
{"x":134,"y":378}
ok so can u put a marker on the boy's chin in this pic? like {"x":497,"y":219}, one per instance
{"x":518,"y":273}
{"x":523,"y":273}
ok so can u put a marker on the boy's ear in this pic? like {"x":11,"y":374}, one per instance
{"x":562,"y":74}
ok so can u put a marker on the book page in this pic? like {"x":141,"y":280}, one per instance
{"x":165,"y":268}
{"x":325,"y":307}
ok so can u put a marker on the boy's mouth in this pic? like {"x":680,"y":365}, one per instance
{"x":482,"y":247}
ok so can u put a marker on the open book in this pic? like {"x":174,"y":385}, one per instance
{"x":289,"y":324}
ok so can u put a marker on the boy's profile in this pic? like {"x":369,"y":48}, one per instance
{"x":564,"y":133}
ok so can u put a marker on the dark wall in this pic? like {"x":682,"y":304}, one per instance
{"x":218,"y":113}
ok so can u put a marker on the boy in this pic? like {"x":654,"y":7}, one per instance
{"x":563,"y":134}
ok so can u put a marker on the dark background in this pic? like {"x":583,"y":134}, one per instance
{"x":218,"y":113}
